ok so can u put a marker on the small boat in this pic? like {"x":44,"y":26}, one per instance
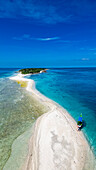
{"x":80,"y":122}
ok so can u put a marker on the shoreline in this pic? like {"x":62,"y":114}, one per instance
{"x":63,"y":140}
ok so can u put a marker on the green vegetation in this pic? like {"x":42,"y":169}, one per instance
{"x":79,"y":123}
{"x":31,"y":70}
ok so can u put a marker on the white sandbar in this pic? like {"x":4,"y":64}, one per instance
{"x":55,"y":143}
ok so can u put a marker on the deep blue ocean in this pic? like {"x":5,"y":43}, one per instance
{"x":72,"y":88}
{"x":6,"y":72}
{"x":75,"y":90}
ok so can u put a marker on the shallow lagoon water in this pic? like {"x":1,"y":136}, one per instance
{"x":18,"y":111}
{"x":75,"y":90}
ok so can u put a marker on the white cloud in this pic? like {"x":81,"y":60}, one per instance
{"x":48,"y":39}
{"x":85,"y":59}
{"x":38,"y":10}
{"x":17,"y":38}
{"x":82,"y":48}
{"x":28,"y":37}
{"x":49,"y":12}
{"x":92,"y":49}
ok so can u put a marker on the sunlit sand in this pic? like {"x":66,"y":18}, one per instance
{"x":55,"y":143}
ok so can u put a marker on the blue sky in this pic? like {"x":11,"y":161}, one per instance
{"x":47,"y":33}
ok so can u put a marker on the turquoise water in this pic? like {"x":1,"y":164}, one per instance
{"x":18,"y":111}
{"x":75,"y":90}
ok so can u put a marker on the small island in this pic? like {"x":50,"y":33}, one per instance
{"x":32,"y":70}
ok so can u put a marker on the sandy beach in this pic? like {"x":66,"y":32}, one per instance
{"x":55,"y":143}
